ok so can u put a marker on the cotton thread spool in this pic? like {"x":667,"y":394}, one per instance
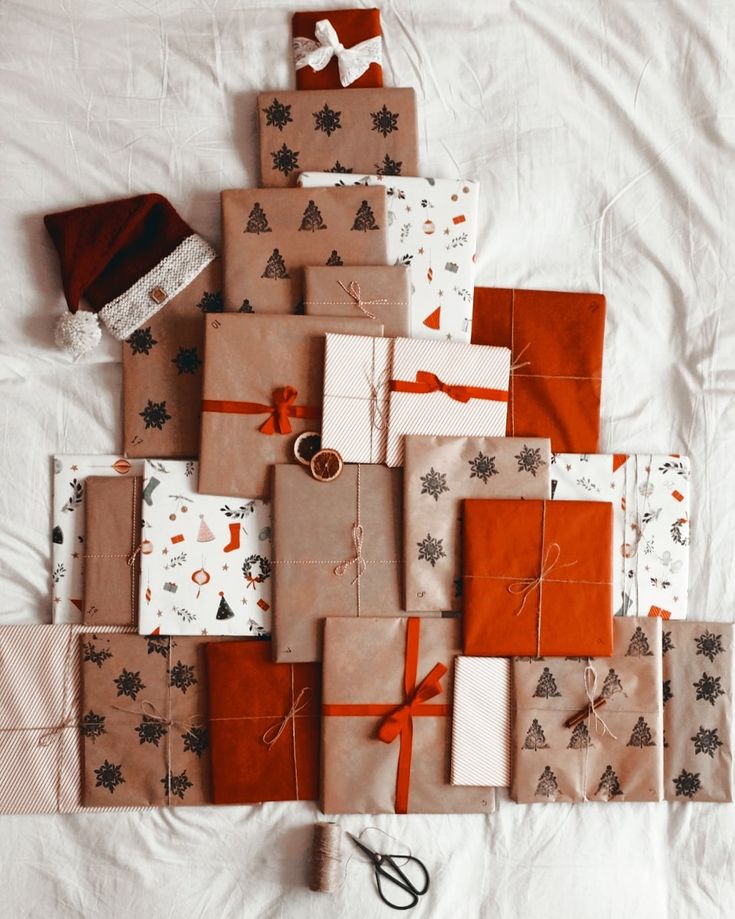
{"x":326,"y":858}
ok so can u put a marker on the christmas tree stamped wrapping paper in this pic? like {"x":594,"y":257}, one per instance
{"x":697,"y":694}
{"x":358,"y":65}
{"x":68,"y":521}
{"x":433,"y":228}
{"x":270,"y":235}
{"x":615,"y":753}
{"x":439,"y":472}
{"x":205,"y":559}
{"x":650,"y":494}
{"x":365,"y":130}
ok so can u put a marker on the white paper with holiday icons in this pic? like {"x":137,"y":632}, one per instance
{"x":432,"y":226}
{"x":650,"y":494}
{"x":68,"y":516}
{"x":205,"y":561}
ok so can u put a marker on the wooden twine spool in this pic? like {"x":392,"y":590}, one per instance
{"x":326,"y":858}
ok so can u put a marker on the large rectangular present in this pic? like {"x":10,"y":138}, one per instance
{"x":378,"y":292}
{"x":433,"y":228}
{"x":269,"y":235}
{"x":556,"y":339}
{"x":328,"y":130}
{"x":337,"y":48}
{"x":567,"y":746}
{"x":438,"y":473}
{"x":386,"y":718}
{"x":650,"y":495}
{"x":445,"y":388}
{"x":336,"y":552}
{"x":537,"y":578}
{"x":262,"y":388}
{"x":697,"y":696}
{"x":68,"y":521}
{"x":205,"y":559}
{"x":264,"y":723}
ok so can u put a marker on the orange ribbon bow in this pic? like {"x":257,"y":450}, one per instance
{"x":279,"y":413}
{"x":427,"y":382}
{"x":400,"y":720}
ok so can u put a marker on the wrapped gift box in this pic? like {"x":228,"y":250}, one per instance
{"x":269,"y":235}
{"x":380,"y":293}
{"x":262,"y":388}
{"x":537,"y":577}
{"x":650,"y":495}
{"x":357,"y":66}
{"x":366,"y":130}
{"x":433,"y":228}
{"x":264,"y":721}
{"x":68,"y":520}
{"x":439,"y":472}
{"x":612,"y":754}
{"x":556,"y":339}
{"x":697,"y":698}
{"x":205,"y":559}
{"x":386,"y":718}
{"x":336,"y":550}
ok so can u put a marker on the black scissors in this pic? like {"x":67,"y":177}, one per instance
{"x":395,"y":875}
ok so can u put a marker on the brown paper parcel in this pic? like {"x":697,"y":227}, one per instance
{"x":382,"y":294}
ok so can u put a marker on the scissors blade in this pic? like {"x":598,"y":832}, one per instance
{"x":372,"y":855}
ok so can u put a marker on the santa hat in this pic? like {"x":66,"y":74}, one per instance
{"x":127,"y":259}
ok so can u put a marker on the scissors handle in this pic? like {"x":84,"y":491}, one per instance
{"x":400,"y":879}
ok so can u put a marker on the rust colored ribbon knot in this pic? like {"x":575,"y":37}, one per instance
{"x":400,"y":720}
{"x":279,"y":413}
{"x":353,"y":290}
{"x":274,"y":732}
{"x":427,"y":382}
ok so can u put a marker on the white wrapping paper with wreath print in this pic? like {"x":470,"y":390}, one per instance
{"x":432,"y":227}
{"x":650,"y":494}
{"x":205,"y":559}
{"x":615,"y":754}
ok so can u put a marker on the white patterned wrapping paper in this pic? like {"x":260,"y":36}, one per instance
{"x":205,"y":559}
{"x":432,"y":226}
{"x":650,"y":494}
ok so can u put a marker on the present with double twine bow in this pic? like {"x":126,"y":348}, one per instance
{"x":337,"y":48}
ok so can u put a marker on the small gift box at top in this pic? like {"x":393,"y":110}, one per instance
{"x":366,"y":130}
{"x":269,"y":235}
{"x":380,"y":293}
{"x":433,"y":227}
{"x":337,"y":48}
{"x":537,"y":578}
{"x":591,"y":729}
{"x":556,"y":339}
{"x":650,"y":495}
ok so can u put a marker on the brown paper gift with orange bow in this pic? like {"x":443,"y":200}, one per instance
{"x":352,"y":27}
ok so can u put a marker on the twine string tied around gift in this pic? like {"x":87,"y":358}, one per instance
{"x":358,"y":534}
{"x":353,"y":290}
{"x":551,"y":562}
{"x":272,"y":734}
{"x":590,"y":684}
{"x":150,"y":712}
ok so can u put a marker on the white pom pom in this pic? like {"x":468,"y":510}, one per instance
{"x":78,"y":332}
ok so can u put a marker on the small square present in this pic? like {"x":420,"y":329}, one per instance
{"x":591,"y":729}
{"x":380,"y":293}
{"x":537,"y":578}
{"x":337,"y":48}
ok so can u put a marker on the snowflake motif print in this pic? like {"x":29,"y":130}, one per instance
{"x":312,"y":219}
{"x":546,"y":687}
{"x":129,"y":683}
{"x":431,"y":550}
{"x":434,"y":483}
{"x":667,"y":643}
{"x":187,"y":361}
{"x":385,"y":122}
{"x":529,"y":460}
{"x":388,"y":167}
{"x":687,"y":784}
{"x":709,"y":645}
{"x":109,"y":775}
{"x":327,"y":120}
{"x":277,"y":115}
{"x":257,"y":221}
{"x":275,"y":268}
{"x":182,"y":676}
{"x":176,"y":785}
{"x":151,"y":730}
{"x":706,"y":741}
{"x":641,"y":735}
{"x":482,"y":467}
{"x":142,"y":341}
{"x":580,"y":738}
{"x":212,"y":302}
{"x":667,"y":693}
{"x":285,"y":160}
{"x":338,"y":167}
{"x":92,"y":726}
{"x":196,"y":740}
{"x":76,"y":497}
{"x":253,"y":563}
{"x":638,"y":646}
{"x":157,"y":645}
{"x":535,"y":738}
{"x":334,"y":259}
{"x":708,"y":688}
{"x":548,"y":785}
{"x":155,"y":415}
{"x":609,"y":785}
{"x":94,"y":655}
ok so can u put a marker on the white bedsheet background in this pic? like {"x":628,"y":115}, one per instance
{"x":603,"y":135}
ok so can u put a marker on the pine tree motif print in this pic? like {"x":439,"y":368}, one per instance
{"x":327,"y":120}
{"x":667,"y":643}
{"x":142,"y":341}
{"x":246,"y":307}
{"x":641,"y":735}
{"x":257,"y":221}
{"x":196,"y":740}
{"x":212,"y":302}
{"x":639,"y":646}
{"x":546,"y":687}
{"x":338,"y":167}
{"x":151,"y":730}
{"x":92,"y":726}
{"x":535,"y":738}
{"x":709,"y":645}
{"x":176,"y":785}
{"x":385,"y":122}
{"x":182,"y":676}
{"x":434,"y":483}
{"x":275,"y":268}
{"x":334,"y":259}
{"x":157,"y":645}
{"x":687,"y":784}
{"x":611,"y":685}
{"x":431,"y":550}
{"x":580,"y":738}
{"x":187,"y":360}
{"x":312,"y":218}
{"x":547,"y":786}
{"x":155,"y":415}
{"x":529,"y":460}
{"x":708,"y":688}
{"x":285,"y":160}
{"x":609,"y":785}
{"x":706,"y":741}
{"x":129,"y":683}
{"x":277,"y":115}
{"x":109,"y":776}
{"x":388,"y":167}
{"x":365,"y":219}
{"x":667,"y":693}
{"x":94,"y":655}
{"x":482,"y":467}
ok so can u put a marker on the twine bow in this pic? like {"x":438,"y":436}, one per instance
{"x":524,"y":586}
{"x":273,"y":733}
{"x":427,"y":382}
{"x":398,"y":721}
{"x":353,"y":290}
{"x":590,"y":684}
{"x":51,"y":733}
{"x":147,"y":709}
{"x":358,"y":561}
{"x":352,"y":62}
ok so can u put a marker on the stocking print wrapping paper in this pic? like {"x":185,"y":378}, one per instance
{"x":321,"y":64}
{"x":68,"y":520}
{"x":612,"y":754}
{"x":651,"y":524}
{"x":205,"y":559}
{"x":697,"y":692}
{"x":433,"y":228}
{"x":365,"y":130}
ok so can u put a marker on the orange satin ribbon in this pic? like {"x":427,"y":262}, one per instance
{"x":427,"y":382}
{"x":282,"y":409}
{"x":397,"y":721}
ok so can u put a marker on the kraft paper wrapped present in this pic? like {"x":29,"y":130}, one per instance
{"x":386,"y":719}
{"x":445,"y":388}
{"x":650,"y":494}
{"x":697,"y":697}
{"x":162,"y":372}
{"x":336,"y":551}
{"x":379,"y":293}
{"x":111,"y":553}
{"x":205,"y":559}
{"x":262,"y":388}
{"x":481,"y":749}
{"x":433,"y":228}
{"x":556,"y":339}
{"x":537,"y":578}
{"x":439,"y":472}
{"x":337,"y":48}
{"x":328,"y":130}
{"x":68,"y":521}
{"x":612,"y":753}
{"x":264,"y":720}
{"x":270,"y":235}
